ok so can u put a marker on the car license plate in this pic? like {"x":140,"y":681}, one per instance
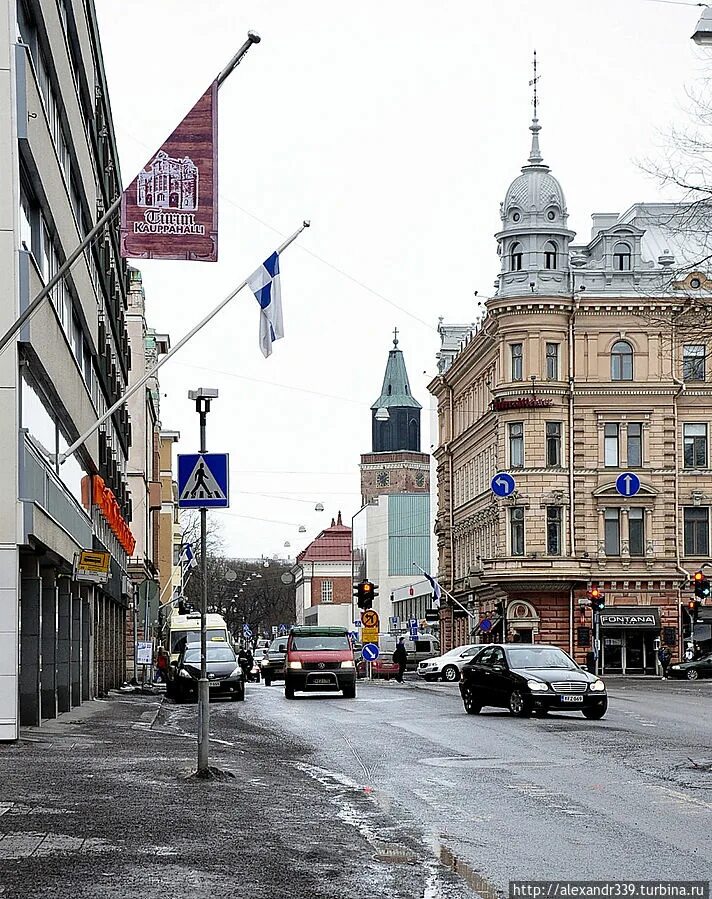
{"x":572,"y":698}
{"x":214,"y":683}
{"x":322,"y":680}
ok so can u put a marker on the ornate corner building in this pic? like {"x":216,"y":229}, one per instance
{"x":589,"y":368}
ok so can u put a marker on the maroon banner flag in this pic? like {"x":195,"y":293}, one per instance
{"x":170,"y":210}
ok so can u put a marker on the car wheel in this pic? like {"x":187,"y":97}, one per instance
{"x":268,"y":682}
{"x":472,"y":707}
{"x":518,"y":705}
{"x":349,"y":692}
{"x":288,"y":691}
{"x":451,"y":674}
{"x":596,"y":712}
{"x":692,"y":674}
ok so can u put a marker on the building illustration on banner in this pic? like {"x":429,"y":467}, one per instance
{"x":168,"y":183}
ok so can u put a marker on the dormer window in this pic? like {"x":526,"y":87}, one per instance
{"x":550,"y":254}
{"x":622,"y":361}
{"x":515,"y":258}
{"x":621,"y":257}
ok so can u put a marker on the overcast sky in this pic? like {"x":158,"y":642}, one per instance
{"x":396,"y":128}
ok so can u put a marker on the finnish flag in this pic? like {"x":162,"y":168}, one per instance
{"x":187,"y":558}
{"x":437,"y":589}
{"x":264,"y":283}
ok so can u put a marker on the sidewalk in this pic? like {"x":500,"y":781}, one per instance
{"x":99,"y":804}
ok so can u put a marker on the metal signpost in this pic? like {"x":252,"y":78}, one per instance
{"x":370,"y":652}
{"x":413,"y":627}
{"x":203,"y":484}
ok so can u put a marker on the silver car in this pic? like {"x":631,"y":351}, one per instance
{"x":448,"y":666}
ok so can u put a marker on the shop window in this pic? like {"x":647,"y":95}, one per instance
{"x":516,"y":354}
{"x":612,"y":532}
{"x":636,"y":532}
{"x":694,"y":440}
{"x":516,"y":444}
{"x":611,"y":454}
{"x":552,"y":362}
{"x":634,"y":447}
{"x":553,"y":444}
{"x":693,"y":362}
{"x":553,"y":530}
{"x":516,"y":530}
{"x":622,"y":361}
{"x":697,"y":527}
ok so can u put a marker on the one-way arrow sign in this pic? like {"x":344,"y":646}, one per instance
{"x":203,"y":481}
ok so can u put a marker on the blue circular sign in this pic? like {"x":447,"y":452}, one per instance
{"x":502,"y":484}
{"x":628,"y":483}
{"x":485,"y":625}
{"x":369,"y":652}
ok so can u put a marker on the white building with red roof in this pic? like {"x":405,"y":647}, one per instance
{"x":322,"y":577}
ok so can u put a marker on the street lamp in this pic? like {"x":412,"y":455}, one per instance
{"x":703,"y":32}
{"x":203,"y":397}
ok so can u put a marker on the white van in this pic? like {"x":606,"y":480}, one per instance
{"x":187,"y":626}
{"x":424,"y":646}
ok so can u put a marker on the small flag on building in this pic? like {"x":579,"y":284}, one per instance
{"x":187,"y":558}
{"x":170,"y":209}
{"x":264,"y":283}
{"x":437,"y":589}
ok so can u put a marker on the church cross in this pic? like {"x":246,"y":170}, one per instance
{"x":395,"y":337}
{"x":533,"y":84}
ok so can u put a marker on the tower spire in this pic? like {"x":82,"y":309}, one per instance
{"x":535,"y":157}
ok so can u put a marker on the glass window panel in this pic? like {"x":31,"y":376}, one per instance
{"x":552,"y":361}
{"x":696,"y":527}
{"x":612,"y":532}
{"x":610,"y":445}
{"x":553,"y":530}
{"x":694,"y":445}
{"x":516,"y":445}
{"x":635,"y":445}
{"x":636,"y":532}
{"x":516,"y":521}
{"x":38,"y":420}
{"x":693,"y":362}
{"x":553,"y":443}
{"x":516,"y":350}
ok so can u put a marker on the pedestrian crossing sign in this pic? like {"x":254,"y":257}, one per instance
{"x":203,"y":481}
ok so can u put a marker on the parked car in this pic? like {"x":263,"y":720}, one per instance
{"x":419,"y":648}
{"x":225,"y":676}
{"x":528,"y":678}
{"x":320,"y":658}
{"x":272,"y":662}
{"x":382,"y":667}
{"x":449,"y":665}
{"x":694,"y":669}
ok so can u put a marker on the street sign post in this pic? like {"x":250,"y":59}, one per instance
{"x":502,"y":484}
{"x":413,"y":627}
{"x":370,"y":652}
{"x":485,"y":625}
{"x":91,"y":566}
{"x":144,"y":653}
{"x":357,"y":624}
{"x":370,"y":622}
{"x":203,"y":481}
{"x":628,"y":483}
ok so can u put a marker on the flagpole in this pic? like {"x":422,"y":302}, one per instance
{"x":62,"y":458}
{"x":448,"y":594}
{"x":252,"y":38}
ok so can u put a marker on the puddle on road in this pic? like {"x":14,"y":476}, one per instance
{"x":473,"y":761}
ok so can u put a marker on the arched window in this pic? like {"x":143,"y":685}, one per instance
{"x":413,"y":442}
{"x":515,"y":258}
{"x":621,"y":257}
{"x":550,"y":254}
{"x":622,"y":361}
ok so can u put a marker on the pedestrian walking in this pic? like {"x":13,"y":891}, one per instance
{"x":400,"y":657}
{"x":162,"y":660}
{"x":664,"y":657}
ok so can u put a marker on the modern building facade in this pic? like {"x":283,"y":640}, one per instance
{"x":391,"y":532}
{"x":322,"y":578}
{"x":61,"y":641}
{"x":581,"y":382}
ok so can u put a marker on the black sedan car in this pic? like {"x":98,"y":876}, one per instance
{"x":272,"y":663}
{"x":526,"y":678}
{"x":693,"y":670}
{"x":225,"y":677}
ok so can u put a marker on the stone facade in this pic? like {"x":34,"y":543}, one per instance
{"x":576,"y":376}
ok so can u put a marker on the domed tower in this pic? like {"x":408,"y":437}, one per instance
{"x":395,"y":463}
{"x":533,"y":244}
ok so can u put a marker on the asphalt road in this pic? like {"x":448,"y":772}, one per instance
{"x":502,"y":798}
{"x":394,"y":795}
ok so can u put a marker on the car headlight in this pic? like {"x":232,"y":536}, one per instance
{"x":264,"y":662}
{"x":184,"y":673}
{"x":675,"y":667}
{"x":237,"y":672}
{"x":597,"y":686}
{"x":295,"y":664}
{"x":537,"y":686}
{"x":347,"y":664}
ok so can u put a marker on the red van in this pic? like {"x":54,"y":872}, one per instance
{"x":319,"y":658}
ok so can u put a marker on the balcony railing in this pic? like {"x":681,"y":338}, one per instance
{"x":40,"y":485}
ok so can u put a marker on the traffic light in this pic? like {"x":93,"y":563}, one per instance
{"x":598,"y":600}
{"x":499,"y":608}
{"x":365,"y":592}
{"x":701,"y":585}
{"x":693,"y":606}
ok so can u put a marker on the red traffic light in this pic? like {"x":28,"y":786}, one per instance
{"x":594,"y":593}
